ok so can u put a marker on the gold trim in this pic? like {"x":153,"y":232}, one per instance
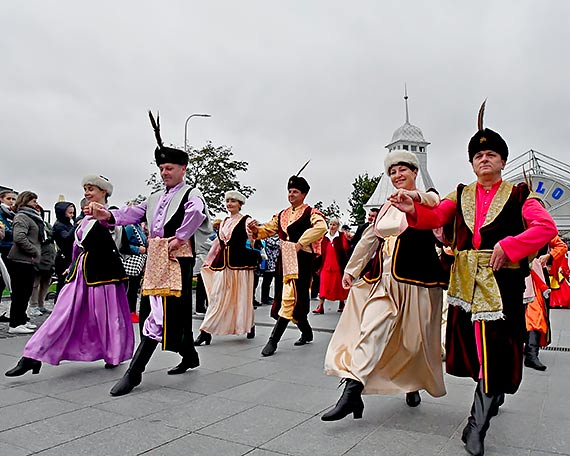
{"x":468,"y":205}
{"x":484,"y":357}
{"x":499,"y":200}
{"x":410,"y":281}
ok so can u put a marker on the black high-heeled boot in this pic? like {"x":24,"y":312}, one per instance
{"x":203,"y":338}
{"x":251,"y":333}
{"x":349,"y":402}
{"x":531,"y":351}
{"x":24,"y":365}
{"x":413,"y":399}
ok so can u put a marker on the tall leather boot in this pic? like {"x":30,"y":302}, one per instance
{"x":531,"y":351}
{"x":349,"y":402}
{"x":133,"y":375}
{"x":483,"y":409}
{"x":306,"y":332}
{"x":275,"y":337}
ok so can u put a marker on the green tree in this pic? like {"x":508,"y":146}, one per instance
{"x":363,"y":187}
{"x":214,"y":171}
{"x":332,"y":210}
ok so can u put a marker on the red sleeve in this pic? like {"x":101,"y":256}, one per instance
{"x":540,"y":230}
{"x":427,"y":218}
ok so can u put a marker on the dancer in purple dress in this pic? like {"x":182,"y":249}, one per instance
{"x":91,"y":320}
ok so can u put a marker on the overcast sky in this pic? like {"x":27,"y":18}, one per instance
{"x":284,"y":82}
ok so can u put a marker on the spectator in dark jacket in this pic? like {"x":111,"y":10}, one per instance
{"x":25,"y":254}
{"x":63,"y":234}
{"x":44,"y":274}
{"x":7,"y":200}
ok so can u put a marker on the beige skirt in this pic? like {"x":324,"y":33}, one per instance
{"x":388,"y":338}
{"x":230,"y":301}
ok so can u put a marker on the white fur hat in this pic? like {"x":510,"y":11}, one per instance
{"x":234,"y":194}
{"x":403,"y":157}
{"x":98,"y":181}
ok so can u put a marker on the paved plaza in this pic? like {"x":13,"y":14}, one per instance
{"x":238,"y":402}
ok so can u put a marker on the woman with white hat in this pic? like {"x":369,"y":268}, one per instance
{"x":228,"y":277}
{"x":387,"y":340}
{"x":91,"y":320}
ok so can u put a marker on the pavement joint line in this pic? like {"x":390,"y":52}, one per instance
{"x":270,"y":325}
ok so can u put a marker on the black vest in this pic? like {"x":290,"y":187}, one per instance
{"x":296,"y":229}
{"x":101,"y":261}
{"x":509,"y":222}
{"x":234,"y":254}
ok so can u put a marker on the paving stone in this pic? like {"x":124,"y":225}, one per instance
{"x":130,"y":438}
{"x":32,"y":411}
{"x":211,"y":383}
{"x":60,"y":429}
{"x":11,"y":450}
{"x":200,"y":445}
{"x":147,"y":402}
{"x":300,"y":398}
{"x":256,"y":425}
{"x":199,"y":413}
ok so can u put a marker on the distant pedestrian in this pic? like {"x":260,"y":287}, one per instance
{"x":7,"y":200}
{"x":133,"y":254}
{"x":272,"y":252}
{"x":29,"y":233}
{"x":63,"y":233}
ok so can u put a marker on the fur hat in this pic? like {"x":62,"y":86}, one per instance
{"x":163,"y":154}
{"x":486,"y":139}
{"x":170,"y":155}
{"x":234,"y":194}
{"x":98,"y":181}
{"x":401,"y":157}
{"x":299,"y":183}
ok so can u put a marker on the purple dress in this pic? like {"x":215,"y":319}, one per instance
{"x":88,"y":323}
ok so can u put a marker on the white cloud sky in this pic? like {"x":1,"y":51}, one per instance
{"x":283,"y":81}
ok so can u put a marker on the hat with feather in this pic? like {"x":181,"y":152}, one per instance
{"x":298,"y":182}
{"x":486,"y":139}
{"x":163,"y":154}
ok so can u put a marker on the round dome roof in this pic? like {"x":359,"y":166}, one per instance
{"x":408,"y":132}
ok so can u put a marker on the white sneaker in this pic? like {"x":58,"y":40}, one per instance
{"x":34,"y":312}
{"x":20,"y":330}
{"x":30,"y":325}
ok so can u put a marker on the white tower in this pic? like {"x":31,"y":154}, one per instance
{"x":407,"y":137}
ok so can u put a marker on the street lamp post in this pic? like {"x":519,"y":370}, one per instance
{"x":186,"y":128}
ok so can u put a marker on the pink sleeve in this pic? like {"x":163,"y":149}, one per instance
{"x":427,"y":218}
{"x":540,"y":230}
{"x":212,"y":253}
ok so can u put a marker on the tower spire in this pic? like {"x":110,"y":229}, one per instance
{"x":406,"y":101}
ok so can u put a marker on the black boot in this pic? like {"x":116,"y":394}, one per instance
{"x":531,"y":352}
{"x":349,"y":402}
{"x":189,"y":354}
{"x":413,"y":399}
{"x":24,"y":365}
{"x":133,"y":375}
{"x":306,"y":333}
{"x":483,"y":409}
{"x":275,"y":337}
{"x":203,"y":338}
{"x":251,"y":333}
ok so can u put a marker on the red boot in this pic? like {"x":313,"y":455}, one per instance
{"x":320,"y":309}
{"x":134,"y":317}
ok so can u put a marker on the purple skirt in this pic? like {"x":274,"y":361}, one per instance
{"x":87,"y":324}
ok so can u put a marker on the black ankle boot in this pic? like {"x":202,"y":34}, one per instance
{"x":413,"y":399}
{"x":203,"y":338}
{"x":189,"y":361}
{"x":133,"y":375}
{"x":275,"y":337}
{"x":24,"y":365}
{"x":306,"y":333}
{"x":531,"y":352}
{"x":349,"y":402}
{"x":251,"y":333}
